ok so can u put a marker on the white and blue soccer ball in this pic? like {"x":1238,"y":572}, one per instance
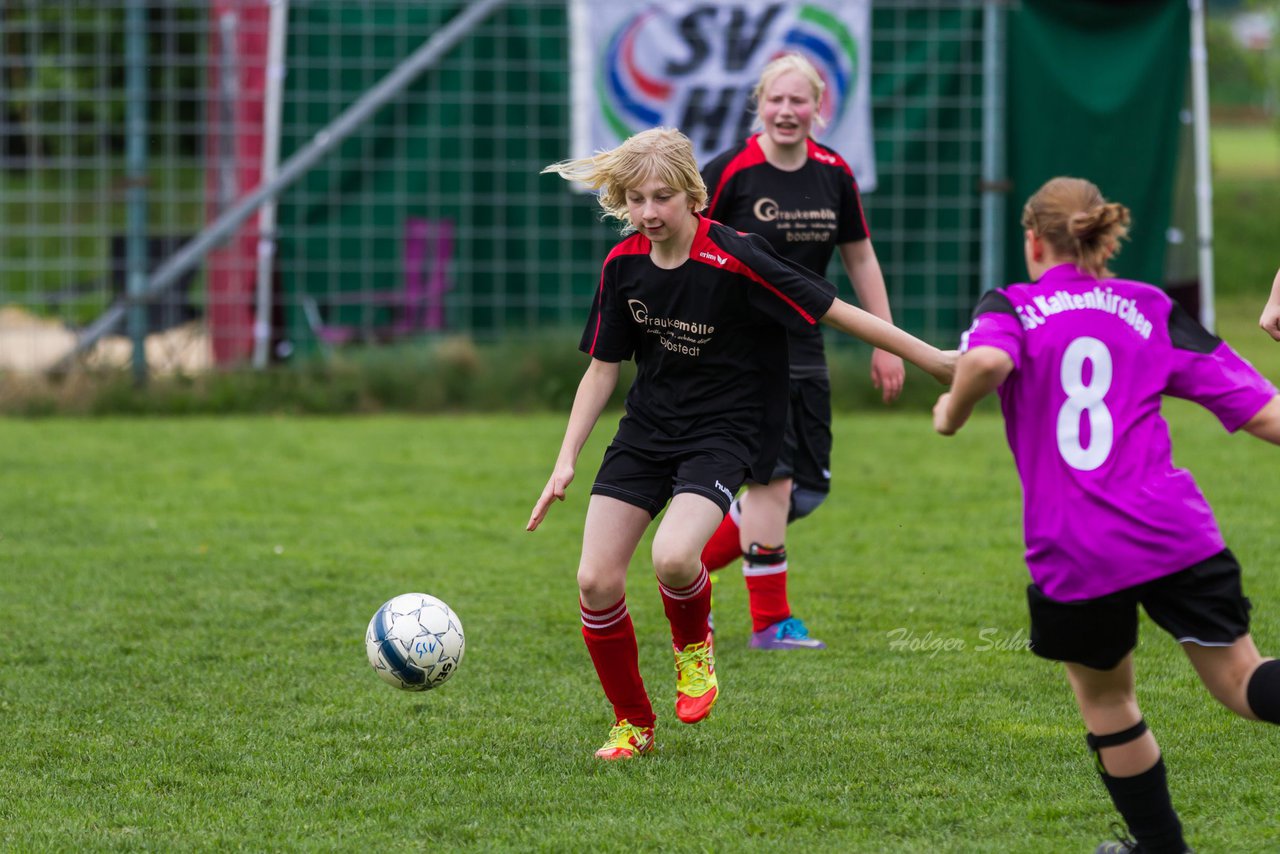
{"x":414,"y":642}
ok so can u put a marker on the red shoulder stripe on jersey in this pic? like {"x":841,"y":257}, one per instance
{"x":751,"y":155}
{"x":707,"y":251}
{"x":636,"y":244}
{"x":822,"y":154}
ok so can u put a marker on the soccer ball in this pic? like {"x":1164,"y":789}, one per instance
{"x":414,"y":642}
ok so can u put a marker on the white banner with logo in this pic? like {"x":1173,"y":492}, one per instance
{"x":639,"y":64}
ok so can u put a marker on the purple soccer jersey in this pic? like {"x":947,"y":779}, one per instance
{"x":1104,"y":508}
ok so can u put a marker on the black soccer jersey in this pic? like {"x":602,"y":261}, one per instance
{"x":709,"y":339}
{"x":803,"y":214}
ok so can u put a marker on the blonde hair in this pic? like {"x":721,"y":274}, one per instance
{"x":1077,"y":223}
{"x":662,"y":153}
{"x":791,"y":62}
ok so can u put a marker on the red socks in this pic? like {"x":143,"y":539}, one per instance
{"x":724,"y":546}
{"x":611,"y":642}
{"x":687,"y":610}
{"x":765,"y":570}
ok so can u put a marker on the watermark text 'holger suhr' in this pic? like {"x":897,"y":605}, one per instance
{"x":987,"y":639}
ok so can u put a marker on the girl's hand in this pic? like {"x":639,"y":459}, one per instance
{"x":1270,"y":320}
{"x":555,"y":488}
{"x":887,"y":374}
{"x":941,"y":417}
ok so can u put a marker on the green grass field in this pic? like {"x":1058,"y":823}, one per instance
{"x":183,"y":603}
{"x":1246,"y":209}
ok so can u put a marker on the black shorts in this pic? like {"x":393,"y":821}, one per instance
{"x":1202,"y":604}
{"x":648,"y":479}
{"x":806,"y":446}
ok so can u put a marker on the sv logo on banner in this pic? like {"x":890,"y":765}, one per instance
{"x":639,"y":64}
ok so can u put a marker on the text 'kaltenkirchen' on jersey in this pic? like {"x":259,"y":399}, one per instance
{"x":1097,"y":299}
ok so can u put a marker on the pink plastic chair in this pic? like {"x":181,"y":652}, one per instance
{"x":417,"y":307}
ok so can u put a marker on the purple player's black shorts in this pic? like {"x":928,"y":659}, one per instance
{"x":648,"y":479}
{"x":1203,"y":604}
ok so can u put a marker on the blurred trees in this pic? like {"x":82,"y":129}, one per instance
{"x":62,"y":78}
{"x":1244,"y":79}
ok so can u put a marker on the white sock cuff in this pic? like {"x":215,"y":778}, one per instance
{"x":751,"y":570}
{"x":599,"y":620}
{"x":699,"y":584}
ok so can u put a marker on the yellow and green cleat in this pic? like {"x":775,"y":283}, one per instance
{"x":696,"y":684}
{"x":626,"y":741}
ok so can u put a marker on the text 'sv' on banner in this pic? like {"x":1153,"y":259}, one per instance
{"x":638,"y":65}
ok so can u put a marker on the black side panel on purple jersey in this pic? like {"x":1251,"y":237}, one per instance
{"x":993,"y":302}
{"x":1186,"y":333}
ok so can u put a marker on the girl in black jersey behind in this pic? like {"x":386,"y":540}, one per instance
{"x":704,"y":311}
{"x":802,"y":197}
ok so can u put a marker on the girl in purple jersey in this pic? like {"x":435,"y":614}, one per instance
{"x":1270,"y":319}
{"x":801,"y":196}
{"x":692,"y":301}
{"x":1080,"y":360}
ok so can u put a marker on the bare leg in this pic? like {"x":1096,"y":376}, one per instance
{"x":677,"y":544}
{"x":765,"y":508}
{"x":609,"y":538}
{"x":1109,"y":704}
{"x":1132,"y":770}
{"x":1226,"y":670}
{"x":613,"y":528}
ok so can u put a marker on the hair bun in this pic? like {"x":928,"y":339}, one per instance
{"x":1098,"y":222}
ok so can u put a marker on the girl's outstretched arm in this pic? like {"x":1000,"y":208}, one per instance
{"x":852,"y":320}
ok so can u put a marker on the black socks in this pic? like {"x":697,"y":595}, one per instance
{"x":1263,"y":691}
{"x":1144,"y":803}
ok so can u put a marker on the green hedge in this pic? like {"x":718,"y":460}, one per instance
{"x":536,"y":374}
{"x":456,"y":375}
